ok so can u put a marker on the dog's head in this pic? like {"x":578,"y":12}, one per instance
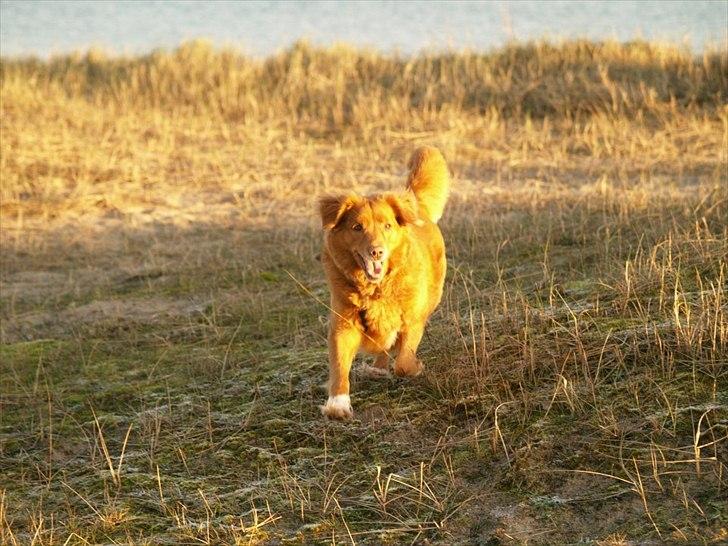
{"x":364,"y":232}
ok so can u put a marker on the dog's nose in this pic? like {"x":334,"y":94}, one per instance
{"x":376,"y":252}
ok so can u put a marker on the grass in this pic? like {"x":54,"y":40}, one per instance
{"x":162,"y":367}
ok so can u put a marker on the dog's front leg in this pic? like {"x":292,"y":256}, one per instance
{"x":344,"y":342}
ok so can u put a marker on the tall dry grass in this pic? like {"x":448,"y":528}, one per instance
{"x":344,"y":87}
{"x":554,"y":102}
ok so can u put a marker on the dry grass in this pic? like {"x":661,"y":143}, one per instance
{"x":161,"y":370}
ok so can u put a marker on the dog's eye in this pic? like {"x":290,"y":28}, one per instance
{"x":387,"y":226}
{"x":357,"y":227}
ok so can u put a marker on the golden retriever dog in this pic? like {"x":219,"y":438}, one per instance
{"x":384,"y":259}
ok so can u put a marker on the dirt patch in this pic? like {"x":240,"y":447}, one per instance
{"x":99,"y":313}
{"x":34,"y":285}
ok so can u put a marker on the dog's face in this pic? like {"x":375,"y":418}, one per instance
{"x":364,"y":232}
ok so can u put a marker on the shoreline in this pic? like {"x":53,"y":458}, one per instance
{"x":710,"y":47}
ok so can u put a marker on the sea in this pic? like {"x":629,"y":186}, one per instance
{"x":45,"y":28}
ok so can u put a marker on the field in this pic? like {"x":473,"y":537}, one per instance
{"x":164,"y":312}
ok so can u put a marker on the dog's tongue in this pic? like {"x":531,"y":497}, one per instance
{"x":373,"y":268}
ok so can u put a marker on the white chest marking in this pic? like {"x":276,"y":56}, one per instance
{"x":390,"y":339}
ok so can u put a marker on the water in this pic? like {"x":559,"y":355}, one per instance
{"x":259,"y":28}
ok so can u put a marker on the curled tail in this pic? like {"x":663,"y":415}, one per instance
{"x":429,"y":180}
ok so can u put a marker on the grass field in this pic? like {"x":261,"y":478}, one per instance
{"x":163,"y":321}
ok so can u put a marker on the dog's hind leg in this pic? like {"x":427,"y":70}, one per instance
{"x":379,"y":368}
{"x":382,"y":361}
{"x":407,"y":363}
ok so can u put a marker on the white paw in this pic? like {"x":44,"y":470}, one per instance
{"x":372,"y":371}
{"x":338,"y":407}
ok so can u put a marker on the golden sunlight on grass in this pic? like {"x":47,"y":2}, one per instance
{"x":161,"y":370}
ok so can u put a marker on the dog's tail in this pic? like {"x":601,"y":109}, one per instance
{"x":429,"y":180}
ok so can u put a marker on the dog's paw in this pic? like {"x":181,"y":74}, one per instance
{"x":338,"y":407}
{"x":409,"y":368}
{"x":374,"y":372}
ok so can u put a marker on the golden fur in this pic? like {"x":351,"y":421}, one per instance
{"x":384,"y":258}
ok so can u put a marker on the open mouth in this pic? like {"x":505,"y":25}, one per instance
{"x":373,"y":269}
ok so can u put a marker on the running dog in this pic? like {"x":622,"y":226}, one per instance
{"x":384,"y":259}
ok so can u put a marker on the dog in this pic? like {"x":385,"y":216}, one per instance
{"x":384,"y":260}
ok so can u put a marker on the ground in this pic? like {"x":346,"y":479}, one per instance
{"x":164,"y":310}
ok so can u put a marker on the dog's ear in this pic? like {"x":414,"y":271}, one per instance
{"x":404,"y":206}
{"x":333,"y":208}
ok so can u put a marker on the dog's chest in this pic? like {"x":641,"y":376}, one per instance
{"x":381,"y":322}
